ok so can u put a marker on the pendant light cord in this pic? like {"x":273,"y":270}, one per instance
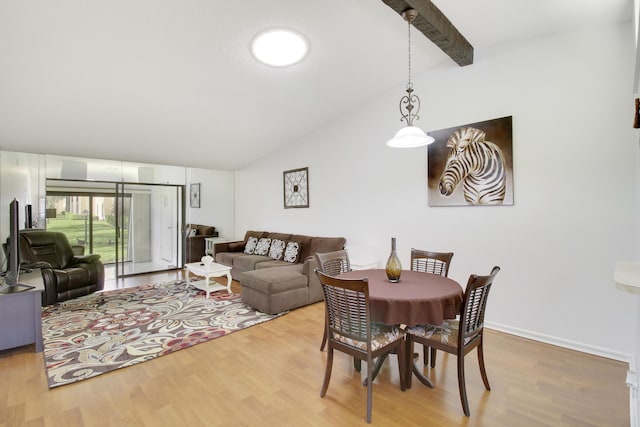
{"x":409,"y":84}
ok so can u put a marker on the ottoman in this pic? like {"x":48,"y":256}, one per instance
{"x":274,"y":290}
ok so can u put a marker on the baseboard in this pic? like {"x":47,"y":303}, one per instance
{"x":573,"y":345}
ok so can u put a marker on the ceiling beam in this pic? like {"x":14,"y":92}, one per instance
{"x":437,"y":27}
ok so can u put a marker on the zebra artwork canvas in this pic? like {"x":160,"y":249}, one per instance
{"x":466,"y":168}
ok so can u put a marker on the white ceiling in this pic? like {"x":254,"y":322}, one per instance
{"x":173,"y":82}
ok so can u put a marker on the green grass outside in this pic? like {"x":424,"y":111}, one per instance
{"x":104,"y":235}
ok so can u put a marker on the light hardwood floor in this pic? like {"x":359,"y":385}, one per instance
{"x":271,"y":374}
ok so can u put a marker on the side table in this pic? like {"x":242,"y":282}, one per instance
{"x":210,"y":245}
{"x":213,"y":270}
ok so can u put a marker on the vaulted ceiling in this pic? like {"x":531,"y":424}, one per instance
{"x":173,"y":82}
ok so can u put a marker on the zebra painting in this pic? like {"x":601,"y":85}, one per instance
{"x":476,"y":163}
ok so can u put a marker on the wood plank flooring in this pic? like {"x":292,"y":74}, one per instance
{"x":271,"y":374}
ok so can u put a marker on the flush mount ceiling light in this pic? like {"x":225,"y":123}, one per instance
{"x":279,"y":47}
{"x":409,"y":136}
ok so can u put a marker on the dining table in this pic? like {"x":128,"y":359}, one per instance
{"x":418,"y":298}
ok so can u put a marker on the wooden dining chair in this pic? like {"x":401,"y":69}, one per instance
{"x":431,"y":262}
{"x":332,"y":264}
{"x":434,"y":263}
{"x":459,"y":337}
{"x":351,"y":331}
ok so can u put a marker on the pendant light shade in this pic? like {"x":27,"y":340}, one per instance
{"x":409,"y":136}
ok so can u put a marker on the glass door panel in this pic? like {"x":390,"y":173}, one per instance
{"x":148,"y":218}
{"x":87,"y":219}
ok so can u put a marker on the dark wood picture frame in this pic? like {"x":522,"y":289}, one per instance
{"x":296,"y":188}
{"x":194,"y":195}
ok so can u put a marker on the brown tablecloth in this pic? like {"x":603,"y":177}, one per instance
{"x":418,"y":298}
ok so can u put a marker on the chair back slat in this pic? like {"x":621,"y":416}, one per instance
{"x":431,"y":262}
{"x":474,"y":305}
{"x":334,"y":263}
{"x":347,"y":305}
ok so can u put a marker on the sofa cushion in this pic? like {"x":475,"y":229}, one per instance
{"x":275,"y":290}
{"x":254,"y":233}
{"x":279,"y":236}
{"x":250,"y":247}
{"x":276,"y":251}
{"x":272,"y":263}
{"x":248,"y":262}
{"x":227,"y":258}
{"x":327,"y":244}
{"x":305,"y":244}
{"x":292,"y":252}
{"x":274,"y":280}
{"x":236,"y":246}
{"x":263,"y":246}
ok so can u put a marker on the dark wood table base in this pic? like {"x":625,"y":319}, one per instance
{"x":416,"y":370}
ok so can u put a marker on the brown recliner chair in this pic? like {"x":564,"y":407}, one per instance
{"x":65,"y":276}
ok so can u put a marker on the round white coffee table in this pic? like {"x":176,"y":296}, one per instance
{"x":213,"y":270}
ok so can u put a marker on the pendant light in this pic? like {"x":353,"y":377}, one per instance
{"x":409,"y":136}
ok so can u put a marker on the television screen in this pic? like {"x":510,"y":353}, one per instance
{"x":11,"y":284}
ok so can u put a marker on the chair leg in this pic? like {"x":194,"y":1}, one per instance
{"x":357,"y":364}
{"x":425,"y":354}
{"x":327,"y":372}
{"x":433,"y":357}
{"x":462,"y":385}
{"x":483,"y":372}
{"x":408,"y":357}
{"x":369,"y":389}
{"x":324,"y":338}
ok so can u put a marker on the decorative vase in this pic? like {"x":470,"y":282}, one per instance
{"x":393,"y":267}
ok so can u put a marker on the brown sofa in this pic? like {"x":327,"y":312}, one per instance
{"x":195,"y":245}
{"x":276,"y":285}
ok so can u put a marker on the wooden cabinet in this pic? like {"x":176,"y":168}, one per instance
{"x":21,"y":314}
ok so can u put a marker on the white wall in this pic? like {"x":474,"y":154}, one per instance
{"x":575,"y":173}
{"x":216,"y":200}
{"x":21,"y":178}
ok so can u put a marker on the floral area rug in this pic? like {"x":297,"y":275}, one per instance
{"x":99,"y":333}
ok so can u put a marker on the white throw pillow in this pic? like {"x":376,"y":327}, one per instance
{"x":277,"y":249}
{"x":263,"y":246}
{"x":292,"y":252}
{"x":250,"y":247}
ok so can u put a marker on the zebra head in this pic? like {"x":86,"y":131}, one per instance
{"x":460,"y":159}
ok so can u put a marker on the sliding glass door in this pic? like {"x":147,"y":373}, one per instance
{"x":134,"y":227}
